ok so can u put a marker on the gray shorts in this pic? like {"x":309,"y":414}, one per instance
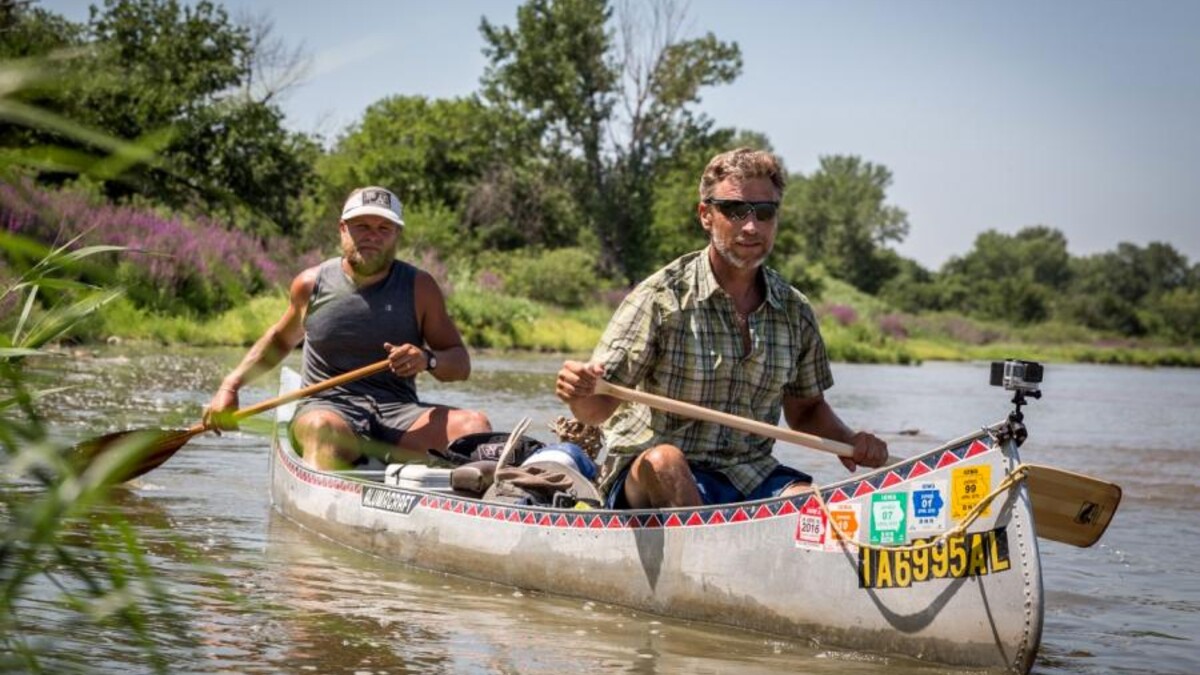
{"x":369,"y":419}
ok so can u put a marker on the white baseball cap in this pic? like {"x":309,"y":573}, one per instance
{"x":374,"y":201}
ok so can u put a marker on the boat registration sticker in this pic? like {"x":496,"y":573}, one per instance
{"x":847,"y":516}
{"x":928,"y":506}
{"x":968,"y":555}
{"x":889,"y":518}
{"x":969,"y":485}
{"x":811,"y":528}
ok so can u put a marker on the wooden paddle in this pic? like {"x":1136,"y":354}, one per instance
{"x":155,"y":446}
{"x":1067,"y":507}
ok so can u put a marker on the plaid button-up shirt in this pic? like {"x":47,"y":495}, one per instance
{"x":676,"y":335}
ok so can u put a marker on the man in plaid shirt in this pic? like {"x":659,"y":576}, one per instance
{"x":718,"y":329}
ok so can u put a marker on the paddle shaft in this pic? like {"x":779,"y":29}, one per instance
{"x":332,"y":382}
{"x":725,"y":419}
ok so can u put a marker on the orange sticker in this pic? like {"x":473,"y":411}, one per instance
{"x":847,"y":517}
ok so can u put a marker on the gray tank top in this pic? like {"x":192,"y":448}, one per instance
{"x":346,"y":326}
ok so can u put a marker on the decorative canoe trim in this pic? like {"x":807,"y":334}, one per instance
{"x":699,"y":517}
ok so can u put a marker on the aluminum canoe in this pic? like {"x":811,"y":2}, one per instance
{"x":774,"y":566}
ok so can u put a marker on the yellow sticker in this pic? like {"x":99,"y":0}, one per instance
{"x":968,"y":486}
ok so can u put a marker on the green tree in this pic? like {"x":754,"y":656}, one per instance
{"x":32,"y":31}
{"x":428,"y":151}
{"x":838,"y":216}
{"x":1111,"y":290}
{"x":611,"y":107}
{"x":1176,"y":314}
{"x":171,"y":77}
{"x":451,"y":154}
{"x":1008,"y":277}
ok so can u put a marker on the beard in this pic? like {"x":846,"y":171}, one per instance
{"x":369,"y":264}
{"x":725,"y":248}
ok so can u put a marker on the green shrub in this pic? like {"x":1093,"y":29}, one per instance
{"x":491,"y":319}
{"x":565,"y":277}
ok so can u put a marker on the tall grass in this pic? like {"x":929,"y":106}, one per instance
{"x":54,"y":535}
{"x":56,"y":544}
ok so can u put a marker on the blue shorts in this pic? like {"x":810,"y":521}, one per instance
{"x":715,"y":488}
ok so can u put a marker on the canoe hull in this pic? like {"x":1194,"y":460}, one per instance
{"x":772,"y":566}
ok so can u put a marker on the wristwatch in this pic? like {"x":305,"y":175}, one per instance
{"x":430,"y":359}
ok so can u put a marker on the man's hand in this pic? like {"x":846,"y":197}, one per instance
{"x":407,"y":359}
{"x":577,"y":380}
{"x":869,"y":450}
{"x":218,"y":415}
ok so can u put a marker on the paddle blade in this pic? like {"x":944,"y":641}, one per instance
{"x":125,"y":455}
{"x":1070,"y":507}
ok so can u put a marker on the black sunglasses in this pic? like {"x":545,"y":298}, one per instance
{"x":738,"y":210}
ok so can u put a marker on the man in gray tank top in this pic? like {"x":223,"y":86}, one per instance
{"x":350,"y":312}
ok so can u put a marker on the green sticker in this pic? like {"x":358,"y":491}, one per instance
{"x":889,"y":518}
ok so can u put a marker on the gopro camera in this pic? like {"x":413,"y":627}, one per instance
{"x":1016,"y":375}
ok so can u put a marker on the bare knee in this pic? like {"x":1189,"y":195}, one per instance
{"x":326,"y":440}
{"x":798,"y":487}
{"x":661,"y":477}
{"x":464,"y":422}
{"x":661,"y":459}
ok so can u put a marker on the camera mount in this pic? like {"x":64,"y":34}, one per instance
{"x":1022,"y":378}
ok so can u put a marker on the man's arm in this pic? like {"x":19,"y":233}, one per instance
{"x":815,"y":416}
{"x":275,"y":344}
{"x":440,"y":333}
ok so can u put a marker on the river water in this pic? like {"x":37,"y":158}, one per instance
{"x":288,"y":601}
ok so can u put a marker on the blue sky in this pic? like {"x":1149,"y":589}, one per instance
{"x":1079,"y":115}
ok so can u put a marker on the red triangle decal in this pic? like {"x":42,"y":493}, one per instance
{"x":716,"y":519}
{"x":673,"y":521}
{"x":487,"y":512}
{"x":919,"y":469}
{"x":787,"y":508}
{"x":946,"y":459}
{"x":694,"y":519}
{"x":614,"y":523}
{"x":837,"y":496}
{"x":458,"y":507}
{"x":514,"y":516}
{"x":578,"y":522}
{"x":762,"y":512}
{"x":596,"y":523}
{"x":891,"y":479}
{"x":530,"y":519}
{"x":739,"y":516}
{"x":977,"y":448}
{"x":864,"y":488}
{"x":472,"y":510}
{"x":561,"y":521}
{"x":653,"y":521}
{"x":545,"y":520}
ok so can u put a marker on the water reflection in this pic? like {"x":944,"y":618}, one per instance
{"x":353,"y":611}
